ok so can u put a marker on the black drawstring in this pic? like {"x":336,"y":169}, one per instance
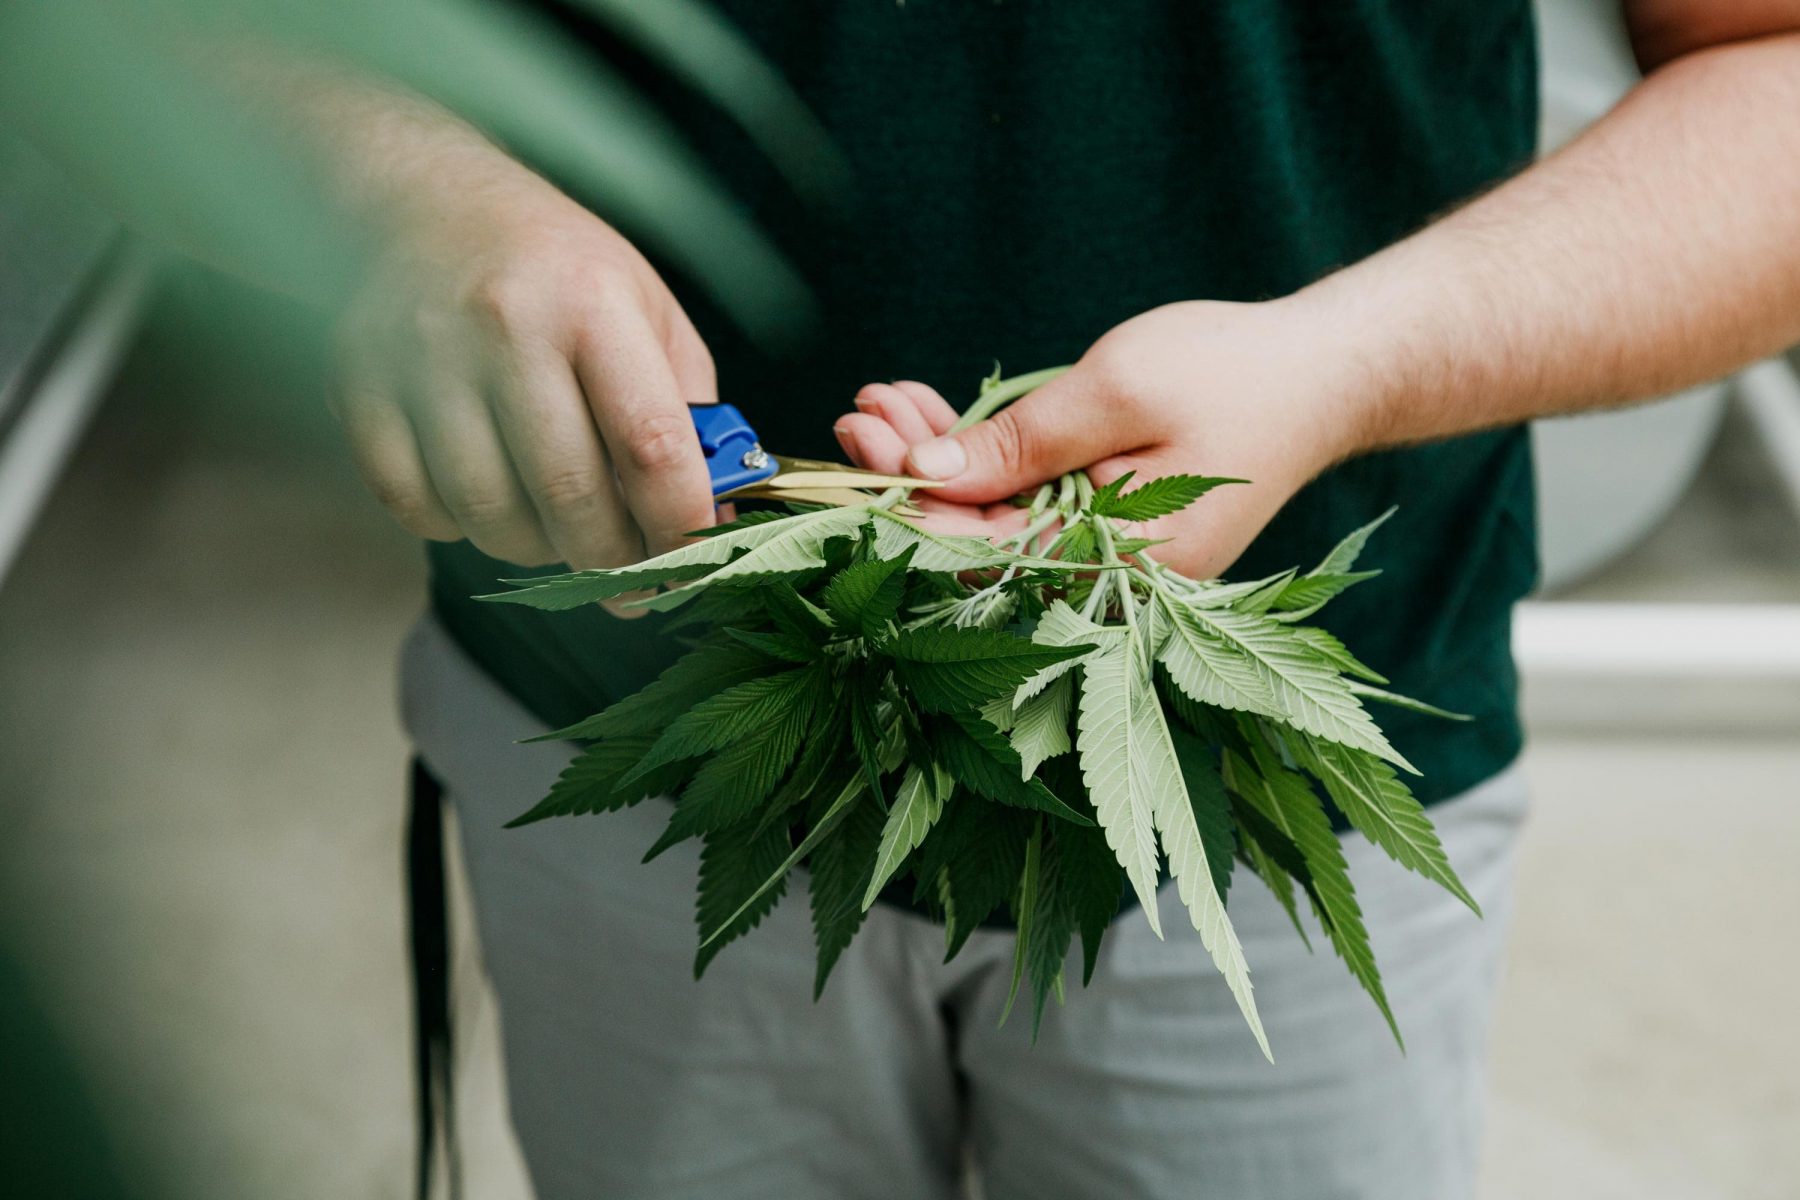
{"x":429,"y":933}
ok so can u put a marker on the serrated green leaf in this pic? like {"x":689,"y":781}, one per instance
{"x":1212,"y":807}
{"x":794,"y":614}
{"x":728,"y":786}
{"x":1094,"y":885}
{"x":734,"y":713}
{"x":980,"y":759}
{"x":1156,"y":498}
{"x":944,"y":552}
{"x":744,"y":520}
{"x":866,"y":596}
{"x":951,"y":670}
{"x":1076,"y":543}
{"x":735,"y":879}
{"x":1024,"y":914}
{"x":918,"y":804}
{"x":1062,"y":626}
{"x":1343,"y":556}
{"x":1052,"y":928}
{"x":1300,"y":598}
{"x":839,"y":872}
{"x":1135,"y":781}
{"x":1368,"y":792}
{"x":788,"y":647}
{"x":797,"y":544}
{"x":1257,"y":836}
{"x":1407,"y":702}
{"x":689,"y":680}
{"x":1290,"y":804}
{"x":592,"y":782}
{"x":821,"y":828}
{"x":861,"y":695}
{"x":789,"y":544}
{"x":1041,"y":726}
{"x":1121,"y":763}
{"x":998,"y":712}
{"x":982,"y":871}
{"x":1251,"y":664}
{"x":1335,"y":653}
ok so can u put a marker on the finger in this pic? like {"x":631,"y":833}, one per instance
{"x":473,"y":473}
{"x":648,"y":433}
{"x":969,"y":520}
{"x":898,"y":409}
{"x":871,"y":442}
{"x":386,"y":454}
{"x":555,"y":448}
{"x":937,"y":411}
{"x":695,"y":376}
{"x":1060,"y":427}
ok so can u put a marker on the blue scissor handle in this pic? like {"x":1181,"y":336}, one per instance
{"x":734,"y":454}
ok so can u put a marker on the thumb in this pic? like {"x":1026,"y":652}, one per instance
{"x":1061,"y":426}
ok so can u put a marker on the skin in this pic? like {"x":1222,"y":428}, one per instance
{"x":1660,"y":249}
{"x":515,"y":372}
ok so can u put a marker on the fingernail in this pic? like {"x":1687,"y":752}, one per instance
{"x":941,"y":458}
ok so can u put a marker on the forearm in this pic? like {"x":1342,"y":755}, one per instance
{"x":1658,"y":250}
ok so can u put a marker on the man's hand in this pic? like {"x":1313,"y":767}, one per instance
{"x":1254,"y":391}
{"x":515,"y":372}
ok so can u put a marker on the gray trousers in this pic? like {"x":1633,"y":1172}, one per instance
{"x":628,"y":1079}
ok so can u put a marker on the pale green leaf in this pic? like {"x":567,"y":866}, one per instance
{"x":1063,"y":626}
{"x":1343,"y":556}
{"x":1383,"y":696}
{"x":1040,"y":728}
{"x":917,"y":806}
{"x":1377,"y":803}
{"x":956,"y":670}
{"x":1252,"y":664}
{"x":1290,"y":804}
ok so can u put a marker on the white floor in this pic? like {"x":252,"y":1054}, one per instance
{"x":200,"y":821}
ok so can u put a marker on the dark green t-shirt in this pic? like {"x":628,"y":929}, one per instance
{"x":1032,"y":172}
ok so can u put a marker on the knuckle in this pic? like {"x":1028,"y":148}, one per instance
{"x":491,"y":514}
{"x":1012,"y":441}
{"x":571,"y":487}
{"x":658,"y":442}
{"x":500,"y":301}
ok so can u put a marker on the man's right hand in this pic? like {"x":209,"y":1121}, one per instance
{"x":514,"y":372}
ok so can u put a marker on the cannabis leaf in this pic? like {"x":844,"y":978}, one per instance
{"x":1290,"y":805}
{"x":1247,"y":662}
{"x":954,"y":670}
{"x":1040,"y":728}
{"x":916,"y":808}
{"x":1368,"y":792}
{"x":866,"y":596}
{"x":1157,"y":498}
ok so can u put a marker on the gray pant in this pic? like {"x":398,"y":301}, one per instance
{"x":628,"y":1079}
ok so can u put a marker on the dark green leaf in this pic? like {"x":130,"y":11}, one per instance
{"x":1157,"y":498}
{"x":690,"y":679}
{"x":865,"y":597}
{"x":982,"y":760}
{"x":950,"y":670}
{"x":862,"y":691}
{"x":788,"y":647}
{"x":1212,"y":808}
{"x":840,"y":871}
{"x":735,"y":713}
{"x":591,"y":783}
{"x":735,"y":893}
{"x":1290,"y":804}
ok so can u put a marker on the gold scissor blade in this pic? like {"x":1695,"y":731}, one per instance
{"x":841,"y":497}
{"x":810,"y":473}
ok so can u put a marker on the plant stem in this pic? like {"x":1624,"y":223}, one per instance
{"x":995,"y":398}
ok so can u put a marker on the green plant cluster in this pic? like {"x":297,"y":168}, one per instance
{"x":1039,"y":728}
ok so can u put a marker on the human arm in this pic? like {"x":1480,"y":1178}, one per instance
{"x":1659,"y":249}
{"x":511,"y":369}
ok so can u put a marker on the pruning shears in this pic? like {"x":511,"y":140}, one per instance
{"x":742,"y":469}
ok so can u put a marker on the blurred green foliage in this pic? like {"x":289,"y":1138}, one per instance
{"x":135,"y":99}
